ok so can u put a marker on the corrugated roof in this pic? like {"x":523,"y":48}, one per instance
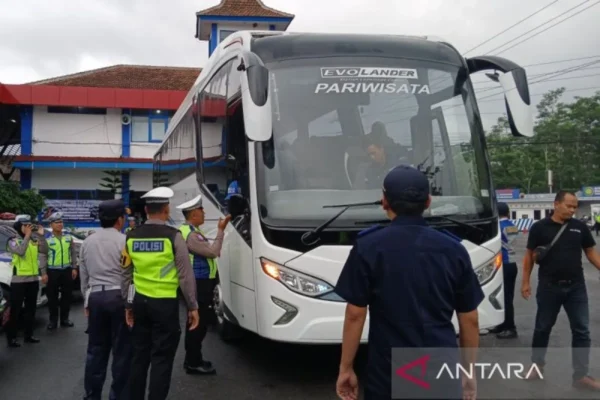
{"x":244,"y":8}
{"x":130,"y":77}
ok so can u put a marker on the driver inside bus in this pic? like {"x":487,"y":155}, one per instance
{"x":384,"y":155}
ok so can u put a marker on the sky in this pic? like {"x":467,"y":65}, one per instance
{"x":44,"y":39}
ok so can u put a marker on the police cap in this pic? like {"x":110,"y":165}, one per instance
{"x":159,"y":195}
{"x":193,"y":204}
{"x":55,"y":217}
{"x":406,"y":183}
{"x":111,"y":209}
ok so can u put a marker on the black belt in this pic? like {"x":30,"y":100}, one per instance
{"x":565,"y":282}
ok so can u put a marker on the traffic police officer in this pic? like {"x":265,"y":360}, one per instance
{"x":509,"y":232}
{"x":412,"y":278}
{"x":29,"y":253}
{"x":62,"y":271}
{"x":157,"y":258}
{"x":203,"y":257}
{"x":131,"y":221}
{"x":101,"y":278}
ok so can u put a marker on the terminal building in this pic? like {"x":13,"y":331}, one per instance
{"x":90,"y":136}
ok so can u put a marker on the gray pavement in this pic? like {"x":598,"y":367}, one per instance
{"x":260,"y":369}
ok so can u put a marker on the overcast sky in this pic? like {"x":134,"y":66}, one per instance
{"x":43,"y":39}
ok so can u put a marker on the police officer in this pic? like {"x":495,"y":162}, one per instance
{"x":509,"y":232}
{"x":62,"y":271}
{"x":101,"y":278}
{"x":131,"y":221}
{"x":203,"y":257}
{"x":412,"y":278}
{"x":157,"y":258}
{"x":29,"y":253}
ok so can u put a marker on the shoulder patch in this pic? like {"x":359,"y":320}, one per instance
{"x":370,"y":229}
{"x":125,"y":259}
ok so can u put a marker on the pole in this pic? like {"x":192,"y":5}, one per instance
{"x":550,"y":181}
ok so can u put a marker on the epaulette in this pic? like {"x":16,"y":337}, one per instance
{"x":370,"y":229}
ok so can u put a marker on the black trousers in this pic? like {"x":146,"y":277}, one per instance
{"x":193,"y":339}
{"x":107,"y":332}
{"x":22,"y":293}
{"x":156,"y":335}
{"x":60,"y":281}
{"x":510,"y":279}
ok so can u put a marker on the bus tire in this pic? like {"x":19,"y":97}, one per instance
{"x":228,"y":331}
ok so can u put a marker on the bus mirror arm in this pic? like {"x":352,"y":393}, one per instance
{"x":255,"y":97}
{"x":516,"y":90}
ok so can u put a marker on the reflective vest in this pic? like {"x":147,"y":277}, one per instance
{"x":152,"y":254}
{"x":128,"y":229}
{"x":59,"y":251}
{"x":204,"y":268}
{"x":26,"y":265}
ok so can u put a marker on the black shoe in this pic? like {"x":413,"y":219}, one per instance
{"x":52,"y":326}
{"x":496,"y":329}
{"x":205,"y":368}
{"x":67,"y":324}
{"x":31,"y":339}
{"x":508,"y":334}
{"x":14,"y":343}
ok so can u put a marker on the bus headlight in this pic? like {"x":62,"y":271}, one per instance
{"x":486,"y":271}
{"x":294,"y":280}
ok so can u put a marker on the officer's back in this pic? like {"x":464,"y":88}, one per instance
{"x":411,"y":277}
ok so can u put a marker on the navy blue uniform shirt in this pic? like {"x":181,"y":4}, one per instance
{"x":412,"y":278}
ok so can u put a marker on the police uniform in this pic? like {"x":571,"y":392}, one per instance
{"x":62,"y":271}
{"x":157,"y":258}
{"x":101,"y":279}
{"x":29,"y":256}
{"x":203,"y":257}
{"x":509,"y":232}
{"x":130,"y":220}
{"x":412,"y":278}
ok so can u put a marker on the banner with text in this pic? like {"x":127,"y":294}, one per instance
{"x":73,"y":210}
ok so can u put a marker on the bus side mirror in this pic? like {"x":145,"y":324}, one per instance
{"x":237,"y":205}
{"x":255,"y":97}
{"x":516,"y":91}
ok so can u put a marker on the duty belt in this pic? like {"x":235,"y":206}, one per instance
{"x":103,"y":288}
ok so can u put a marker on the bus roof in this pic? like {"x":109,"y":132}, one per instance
{"x":277,"y":46}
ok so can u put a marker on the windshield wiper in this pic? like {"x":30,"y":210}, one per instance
{"x":429,"y":217}
{"x":311,"y":237}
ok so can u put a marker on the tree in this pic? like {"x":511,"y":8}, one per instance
{"x":112,"y":182}
{"x":17,"y":201}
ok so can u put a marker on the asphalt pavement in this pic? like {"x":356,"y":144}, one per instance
{"x":259,"y":369}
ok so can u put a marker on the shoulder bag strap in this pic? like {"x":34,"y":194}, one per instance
{"x":560,"y":232}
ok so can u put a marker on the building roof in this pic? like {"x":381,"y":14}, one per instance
{"x":130,"y":77}
{"x":243,"y":8}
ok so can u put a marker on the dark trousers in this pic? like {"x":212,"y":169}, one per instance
{"x":156,"y":335}
{"x":573,"y":297}
{"x":59,"y":281}
{"x":107,"y":332}
{"x":510,"y":280}
{"x":193,"y":339}
{"x":22,"y":293}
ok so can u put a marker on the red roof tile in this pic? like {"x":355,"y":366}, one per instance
{"x":130,"y":77}
{"x":244,"y":8}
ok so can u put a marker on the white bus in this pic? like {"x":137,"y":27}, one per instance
{"x":289,"y":116}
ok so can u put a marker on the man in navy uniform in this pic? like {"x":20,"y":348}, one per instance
{"x":101,"y":279}
{"x":412,"y":278}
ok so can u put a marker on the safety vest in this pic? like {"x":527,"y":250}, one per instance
{"x":128,"y":229}
{"x":597,"y":218}
{"x":26,"y":265}
{"x":152,"y":254}
{"x":59,"y":251}
{"x":203,"y":267}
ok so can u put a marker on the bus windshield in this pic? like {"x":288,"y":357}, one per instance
{"x":339,"y":125}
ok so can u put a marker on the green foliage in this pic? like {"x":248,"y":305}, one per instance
{"x":566,"y":141}
{"x":112,"y":182}
{"x":17,"y":201}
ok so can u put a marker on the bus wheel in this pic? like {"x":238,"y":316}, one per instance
{"x":228,"y":332}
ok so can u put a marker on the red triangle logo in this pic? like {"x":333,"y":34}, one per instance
{"x":420,"y":362}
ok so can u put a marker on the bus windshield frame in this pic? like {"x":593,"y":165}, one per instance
{"x":332,"y":117}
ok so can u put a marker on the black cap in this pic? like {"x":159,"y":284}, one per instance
{"x":110,"y":209}
{"x":406,"y":183}
{"x":503,"y":209}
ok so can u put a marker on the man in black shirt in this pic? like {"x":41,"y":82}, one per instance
{"x":562,"y":284}
{"x":412,"y":278}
